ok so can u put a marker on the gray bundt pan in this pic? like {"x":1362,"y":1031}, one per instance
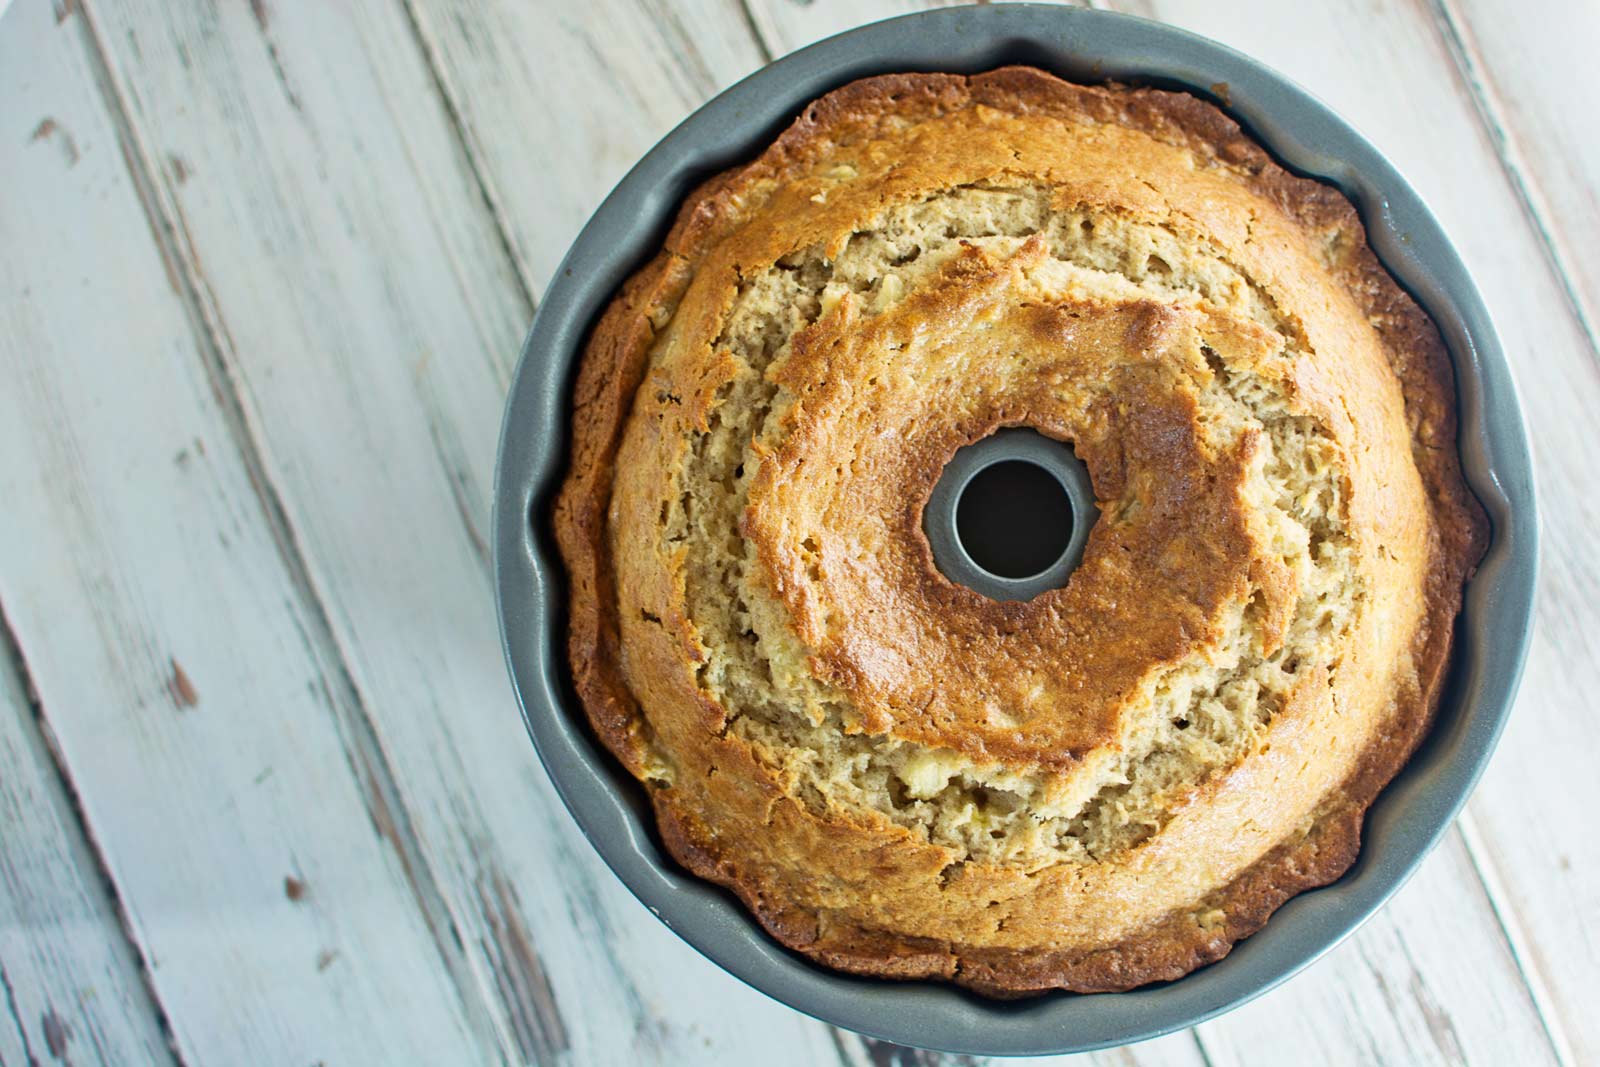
{"x":1494,"y":629}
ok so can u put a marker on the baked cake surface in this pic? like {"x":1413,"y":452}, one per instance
{"x":1113,"y":782}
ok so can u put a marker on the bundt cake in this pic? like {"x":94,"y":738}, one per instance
{"x":1108,"y":784}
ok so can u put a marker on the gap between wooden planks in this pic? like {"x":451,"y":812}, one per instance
{"x":67,"y":976}
{"x":148,"y":600}
{"x":1529,"y":77}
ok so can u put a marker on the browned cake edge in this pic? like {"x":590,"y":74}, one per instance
{"x":616,"y":359}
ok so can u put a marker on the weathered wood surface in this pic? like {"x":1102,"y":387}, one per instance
{"x":68,"y":980}
{"x":1532,"y":82}
{"x":311,"y":237}
{"x":196,"y":722}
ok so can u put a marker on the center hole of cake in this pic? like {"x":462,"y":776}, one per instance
{"x":1014,"y":519}
{"x":1010,"y":514}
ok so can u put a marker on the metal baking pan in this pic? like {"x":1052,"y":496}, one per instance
{"x":1089,"y":46}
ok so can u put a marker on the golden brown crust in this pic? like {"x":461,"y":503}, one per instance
{"x":615,"y":367}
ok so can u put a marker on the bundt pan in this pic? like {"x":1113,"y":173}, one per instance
{"x":1088,"y":46}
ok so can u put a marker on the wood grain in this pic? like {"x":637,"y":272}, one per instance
{"x":1426,"y":981}
{"x":280,"y":258}
{"x":783,"y":25}
{"x":70,"y":983}
{"x":1530,"y":80}
{"x":557,"y":102}
{"x":134,"y":548}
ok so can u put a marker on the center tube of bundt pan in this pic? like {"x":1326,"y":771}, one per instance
{"x":1010,"y":514}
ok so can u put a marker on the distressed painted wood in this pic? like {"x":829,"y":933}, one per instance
{"x":557,"y":101}
{"x":357,"y":205}
{"x":145,"y":590}
{"x":1528,"y":77}
{"x":1427,"y":981}
{"x":1175,"y":1050}
{"x":70,"y":984}
{"x":1531,"y":79}
{"x":784,"y":25}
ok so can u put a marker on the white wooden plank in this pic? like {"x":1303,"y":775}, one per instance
{"x":69,"y":980}
{"x":1175,"y":1050}
{"x":1531,"y":80}
{"x":1389,"y":70}
{"x":162,"y":633}
{"x":362,"y":302}
{"x":557,"y":100}
{"x":784,"y":25}
{"x":1438,"y":972}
